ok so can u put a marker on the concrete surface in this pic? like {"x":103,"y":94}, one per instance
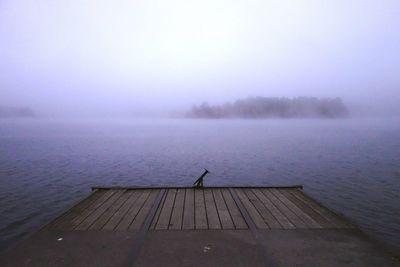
{"x":77,"y":248}
{"x":325,"y":247}
{"x":344,"y":247}
{"x":200,"y":248}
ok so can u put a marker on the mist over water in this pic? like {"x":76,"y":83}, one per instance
{"x":102,"y":59}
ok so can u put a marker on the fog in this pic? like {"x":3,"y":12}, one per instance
{"x":146,"y":58}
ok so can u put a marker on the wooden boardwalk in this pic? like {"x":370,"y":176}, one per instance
{"x":242,"y":226}
{"x":124,"y":209}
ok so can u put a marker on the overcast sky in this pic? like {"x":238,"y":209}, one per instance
{"x":114,"y":56}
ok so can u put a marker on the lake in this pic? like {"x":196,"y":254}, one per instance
{"x":351,"y":166}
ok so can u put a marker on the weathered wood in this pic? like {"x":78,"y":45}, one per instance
{"x":157,"y":215}
{"x":211,"y":209}
{"x":224,"y":216}
{"x":200,"y":210}
{"x":105,"y":217}
{"x":177,"y":211}
{"x":188,"y":211}
{"x":302,"y":215}
{"x":85,"y":224}
{"x":327,"y":214}
{"x":122,"y":209}
{"x":141,"y":216}
{"x":133,"y":211}
{"x":117,"y":217}
{"x":307,"y":210}
{"x":234,"y":211}
{"x":96,"y":204}
{"x":63,"y":222}
{"x":282,"y":219}
{"x":254,"y":214}
{"x":264,"y":212}
{"x":285,"y":210}
{"x":165,"y":215}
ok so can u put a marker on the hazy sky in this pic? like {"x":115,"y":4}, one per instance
{"x":89,"y":56}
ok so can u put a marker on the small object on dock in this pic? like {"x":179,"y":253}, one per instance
{"x":206,"y":249}
{"x":199,"y":181}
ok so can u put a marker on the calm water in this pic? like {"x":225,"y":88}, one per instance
{"x":352,"y":166}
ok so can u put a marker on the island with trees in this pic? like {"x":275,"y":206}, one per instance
{"x":273,"y":107}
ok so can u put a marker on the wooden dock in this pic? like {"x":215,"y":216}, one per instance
{"x":198,"y":209}
{"x":242,"y":226}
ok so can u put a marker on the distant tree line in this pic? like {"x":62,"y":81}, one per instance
{"x":273,"y":107}
{"x":16,"y":112}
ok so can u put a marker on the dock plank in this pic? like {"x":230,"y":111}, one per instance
{"x":133,"y":211}
{"x":327,"y":214}
{"x":224,"y":216}
{"x":310,"y":223}
{"x":117,"y":217}
{"x":200,"y":210}
{"x":177,"y":211}
{"x":254,"y":214}
{"x":63,"y":222}
{"x":307,"y":209}
{"x":141,"y":216}
{"x":188,"y":211}
{"x":264,"y":212}
{"x":157,"y":215}
{"x":211,"y":209}
{"x":166,"y":212}
{"x":91,"y":208}
{"x":234,"y":211}
{"x":282,"y":219}
{"x":87,"y":222}
{"x":106,"y":216}
{"x":285,"y":210}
